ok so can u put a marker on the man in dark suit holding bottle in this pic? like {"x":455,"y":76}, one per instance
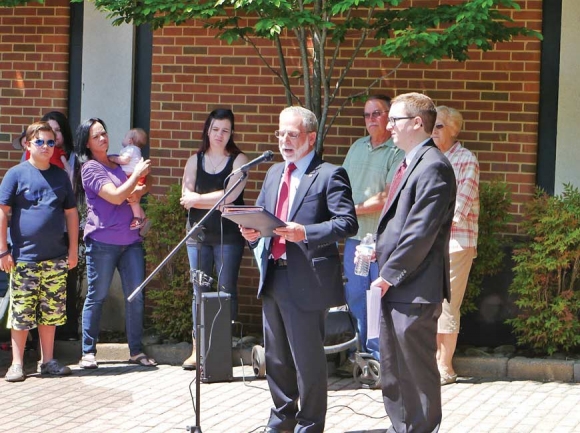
{"x":300,"y":271}
{"x":413,"y":259}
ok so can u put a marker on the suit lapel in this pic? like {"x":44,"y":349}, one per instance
{"x":275,"y":174}
{"x":272,"y":196}
{"x":417,"y":158}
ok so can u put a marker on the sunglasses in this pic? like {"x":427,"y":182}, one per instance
{"x":375,"y":114}
{"x":40,"y":143}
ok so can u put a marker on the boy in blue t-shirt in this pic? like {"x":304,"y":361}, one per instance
{"x":41,"y":200}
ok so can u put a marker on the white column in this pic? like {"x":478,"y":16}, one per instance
{"x":108,"y":62}
{"x":568,"y":150}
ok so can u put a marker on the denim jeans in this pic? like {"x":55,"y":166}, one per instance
{"x":102,"y":260}
{"x":226,"y":276}
{"x":356,"y":296}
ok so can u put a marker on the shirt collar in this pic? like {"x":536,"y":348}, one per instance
{"x":409,"y":156}
{"x":453,"y":149}
{"x":383,"y":144}
{"x":302,"y":164}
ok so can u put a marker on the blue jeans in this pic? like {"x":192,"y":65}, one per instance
{"x":230,"y":255}
{"x":356,"y":296}
{"x":102,"y":260}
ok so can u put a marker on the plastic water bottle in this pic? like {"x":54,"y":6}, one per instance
{"x":365,"y":252}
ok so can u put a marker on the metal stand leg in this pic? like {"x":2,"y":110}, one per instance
{"x":199,"y":279}
{"x":196,"y":232}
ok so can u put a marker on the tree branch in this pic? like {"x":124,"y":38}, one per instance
{"x":283,"y":77}
{"x":361,"y":93}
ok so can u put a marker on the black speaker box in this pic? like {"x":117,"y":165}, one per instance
{"x":216,"y":337}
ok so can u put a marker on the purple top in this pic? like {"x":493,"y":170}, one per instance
{"x":106,"y":222}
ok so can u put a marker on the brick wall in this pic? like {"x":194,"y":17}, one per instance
{"x":193,"y":73}
{"x":34,"y":52}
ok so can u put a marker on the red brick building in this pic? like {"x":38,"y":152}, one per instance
{"x":511,"y":98}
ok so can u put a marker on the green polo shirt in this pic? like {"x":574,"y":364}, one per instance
{"x":370,"y":170}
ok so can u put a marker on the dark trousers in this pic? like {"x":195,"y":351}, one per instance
{"x":409,"y":375}
{"x":295,"y":358}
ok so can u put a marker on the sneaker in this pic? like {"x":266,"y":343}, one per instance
{"x":88,"y":361}
{"x":54,"y":368}
{"x":15,"y":374}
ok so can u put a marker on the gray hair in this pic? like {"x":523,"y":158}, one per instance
{"x":309,"y":120}
{"x":453,"y":117}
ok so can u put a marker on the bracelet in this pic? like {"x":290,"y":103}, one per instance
{"x":4,"y":254}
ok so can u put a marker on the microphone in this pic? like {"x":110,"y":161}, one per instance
{"x":266,"y":156}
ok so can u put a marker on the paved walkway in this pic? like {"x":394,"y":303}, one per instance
{"x":125,"y":398}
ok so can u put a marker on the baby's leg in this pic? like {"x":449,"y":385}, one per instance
{"x":137,"y":210}
{"x":141,"y":212}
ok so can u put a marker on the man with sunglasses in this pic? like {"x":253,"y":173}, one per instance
{"x":370,"y":163}
{"x":40,"y":199}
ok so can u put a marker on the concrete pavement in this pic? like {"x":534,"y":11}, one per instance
{"x":119,"y":397}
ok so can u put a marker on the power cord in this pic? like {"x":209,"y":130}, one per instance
{"x":344,"y":406}
{"x":244,"y":378}
{"x":205,"y":355}
{"x":340,"y":406}
{"x":242,"y":361}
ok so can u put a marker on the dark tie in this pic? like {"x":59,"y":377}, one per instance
{"x":279,"y":245}
{"x":395,"y":184}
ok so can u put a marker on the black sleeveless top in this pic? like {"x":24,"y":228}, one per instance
{"x":204,"y":183}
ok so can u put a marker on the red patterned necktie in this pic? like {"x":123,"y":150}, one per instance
{"x":395,"y":184}
{"x":279,"y":245}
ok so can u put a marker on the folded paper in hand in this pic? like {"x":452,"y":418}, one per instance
{"x":253,"y":217}
{"x":373,"y":311}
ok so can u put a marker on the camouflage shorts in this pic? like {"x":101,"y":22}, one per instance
{"x":38,"y":294}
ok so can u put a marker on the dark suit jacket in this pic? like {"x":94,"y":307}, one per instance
{"x":323,"y":205}
{"x":413,"y":234}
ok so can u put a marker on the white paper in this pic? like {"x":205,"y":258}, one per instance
{"x":373,"y":311}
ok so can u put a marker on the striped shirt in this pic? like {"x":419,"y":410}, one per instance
{"x":464,"y":229}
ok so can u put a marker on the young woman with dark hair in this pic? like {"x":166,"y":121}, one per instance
{"x":203,"y":185}
{"x":110,"y":244}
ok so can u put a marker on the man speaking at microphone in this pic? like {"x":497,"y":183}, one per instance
{"x":300,"y":271}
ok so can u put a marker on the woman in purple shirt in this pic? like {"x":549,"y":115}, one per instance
{"x":109,"y":243}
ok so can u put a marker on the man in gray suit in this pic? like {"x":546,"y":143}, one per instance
{"x":413,"y":259}
{"x":300,"y":271}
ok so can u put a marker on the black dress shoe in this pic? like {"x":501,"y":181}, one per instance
{"x":274,"y":430}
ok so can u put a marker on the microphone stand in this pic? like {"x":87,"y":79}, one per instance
{"x":198,"y":281}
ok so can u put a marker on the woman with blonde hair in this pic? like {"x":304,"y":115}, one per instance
{"x":463,"y":242}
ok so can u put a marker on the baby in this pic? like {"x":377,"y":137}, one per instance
{"x":130,"y":155}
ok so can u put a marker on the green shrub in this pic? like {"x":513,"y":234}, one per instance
{"x":170,"y":291}
{"x":494,"y":202}
{"x":546,"y":281}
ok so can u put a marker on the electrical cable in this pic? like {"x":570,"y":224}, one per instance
{"x":340,"y":406}
{"x":208,"y":281}
{"x":345,"y":406}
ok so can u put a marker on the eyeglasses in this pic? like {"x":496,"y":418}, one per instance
{"x":439,"y":126}
{"x":375,"y":114}
{"x":291,"y":134}
{"x":393,"y":120}
{"x":40,"y":143}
